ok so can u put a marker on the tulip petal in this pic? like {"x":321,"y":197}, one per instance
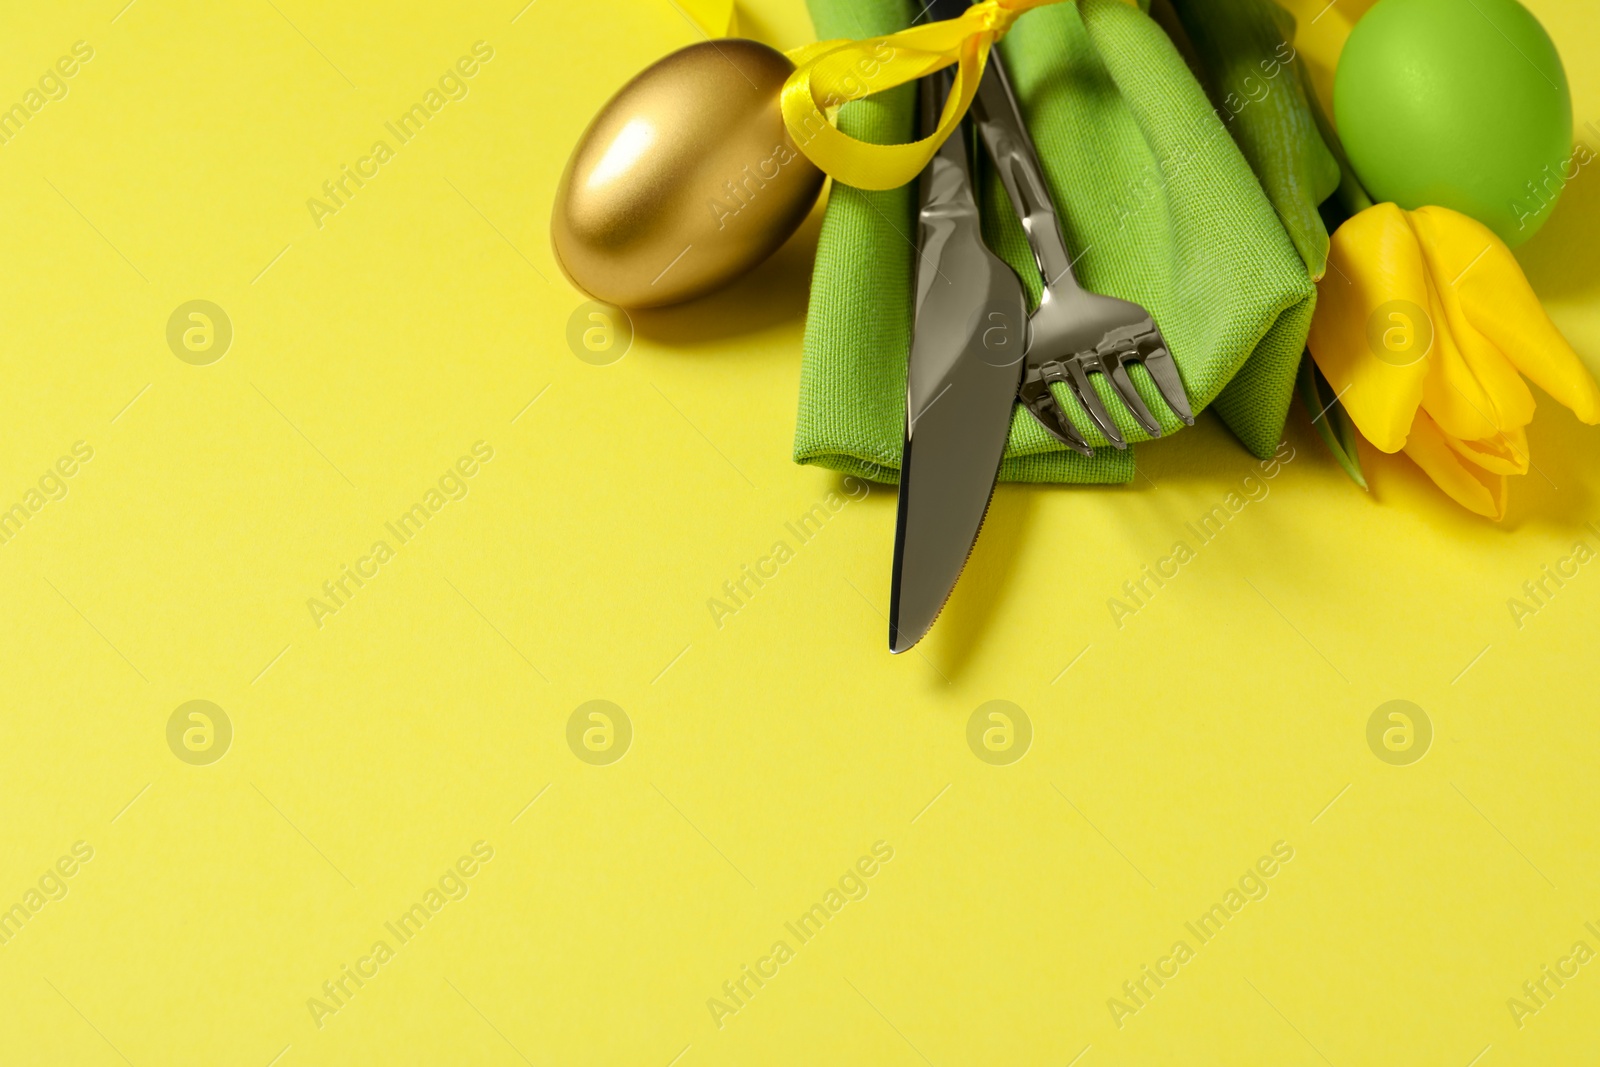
{"x":1451,"y":393}
{"x":1468,"y":484}
{"x":1496,"y":298}
{"x":1504,"y":453}
{"x":1374,"y":261}
{"x":1472,"y":390}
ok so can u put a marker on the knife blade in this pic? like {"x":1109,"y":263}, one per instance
{"x":968,"y":338}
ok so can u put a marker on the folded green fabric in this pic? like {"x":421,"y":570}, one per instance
{"x":1155,"y":200}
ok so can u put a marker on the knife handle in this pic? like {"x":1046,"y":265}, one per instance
{"x":946,"y":196}
{"x":947,"y":184}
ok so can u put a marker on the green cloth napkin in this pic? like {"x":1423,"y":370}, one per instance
{"x":1155,"y":200}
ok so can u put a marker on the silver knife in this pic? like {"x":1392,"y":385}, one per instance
{"x":967,"y":345}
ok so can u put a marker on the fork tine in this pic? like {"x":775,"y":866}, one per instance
{"x":1164,"y":372}
{"x":1083,"y":389}
{"x":1112,"y":362}
{"x":1036,"y":397}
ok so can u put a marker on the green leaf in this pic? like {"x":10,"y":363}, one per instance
{"x":1253,"y":75}
{"x":1329,"y":419}
{"x":1352,"y":197}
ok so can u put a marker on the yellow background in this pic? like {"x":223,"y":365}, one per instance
{"x":370,"y":753}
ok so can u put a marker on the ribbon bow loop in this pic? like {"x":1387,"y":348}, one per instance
{"x":829,"y":74}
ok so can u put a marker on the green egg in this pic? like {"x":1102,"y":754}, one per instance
{"x":1460,"y":103}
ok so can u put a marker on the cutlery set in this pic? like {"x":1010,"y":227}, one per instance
{"x":976,"y":350}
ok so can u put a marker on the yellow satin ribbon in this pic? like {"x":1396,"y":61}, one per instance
{"x":831,"y":73}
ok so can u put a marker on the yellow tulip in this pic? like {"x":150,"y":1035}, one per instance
{"x":1425,"y":327}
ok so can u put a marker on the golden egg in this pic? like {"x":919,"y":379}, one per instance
{"x":685,"y":180}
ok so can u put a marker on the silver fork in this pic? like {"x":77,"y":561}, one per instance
{"x":1073,"y":333}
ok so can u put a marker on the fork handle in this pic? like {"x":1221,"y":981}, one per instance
{"x":1000,"y":122}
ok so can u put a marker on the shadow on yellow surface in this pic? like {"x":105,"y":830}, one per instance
{"x":990,"y":574}
{"x":772,"y":294}
{"x":1563,"y":259}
